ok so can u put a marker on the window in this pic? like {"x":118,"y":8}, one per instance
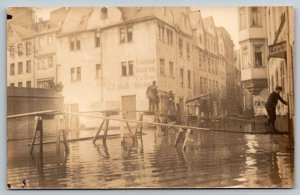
{"x":49,"y":39}
{"x":188,"y":51}
{"x":205,"y":84}
{"x":12,"y":69}
{"x":28,"y":66}
{"x":41,"y":42}
{"x":258,"y":56}
{"x":74,"y":43}
{"x":126,"y":34}
{"x":130,"y":68}
{"x":28,"y":48}
{"x":20,"y":49}
{"x":97,"y":39}
{"x":76,"y":74}
{"x":180,"y":45}
{"x":20,"y":84}
{"x":78,"y":44}
{"x":127,"y":68}
{"x":12,"y":84}
{"x":12,"y":51}
{"x":199,"y":59}
{"x":189,"y":78}
{"x":171,"y":69}
{"x":245,"y":58}
{"x":20,"y":67}
{"x":161,"y":32}
{"x":124,"y":68}
{"x":209,"y":68}
{"x":200,"y":38}
{"x":181,"y":76}
{"x":255,"y":17}
{"x":201,"y":85}
{"x":122,"y":35}
{"x":98,"y":71}
{"x":50,"y":61}
{"x":104,"y":13}
{"x":129,"y":33}
{"x":28,"y":84}
{"x":162,"y":67}
{"x":243,"y":23}
{"x":45,"y":83}
{"x":170,"y":37}
{"x":208,"y":44}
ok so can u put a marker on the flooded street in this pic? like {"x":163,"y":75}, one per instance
{"x":211,"y":159}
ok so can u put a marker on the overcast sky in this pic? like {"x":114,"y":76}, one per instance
{"x":223,"y":16}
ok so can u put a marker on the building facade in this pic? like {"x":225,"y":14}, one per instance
{"x":106,"y":57}
{"x":280,"y":34}
{"x":20,"y":48}
{"x":253,"y":52}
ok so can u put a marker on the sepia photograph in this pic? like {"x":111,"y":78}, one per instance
{"x":150,"y":97}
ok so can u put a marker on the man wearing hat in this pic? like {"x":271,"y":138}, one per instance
{"x":271,"y":107}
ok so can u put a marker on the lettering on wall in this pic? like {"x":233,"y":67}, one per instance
{"x":144,"y":74}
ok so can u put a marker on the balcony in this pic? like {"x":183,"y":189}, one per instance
{"x":254,"y":79}
{"x":254,"y":73}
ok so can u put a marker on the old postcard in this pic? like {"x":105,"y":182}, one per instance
{"x":150,"y":97}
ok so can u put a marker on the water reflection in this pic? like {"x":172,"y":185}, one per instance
{"x":211,"y":159}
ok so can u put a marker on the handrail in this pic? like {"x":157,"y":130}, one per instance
{"x":33,"y":113}
{"x":136,"y":121}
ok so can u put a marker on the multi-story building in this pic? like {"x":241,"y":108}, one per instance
{"x":109,"y":56}
{"x":45,"y":47}
{"x":20,"y":49}
{"x":280,"y":37}
{"x":253,"y":51}
{"x":106,"y":58}
{"x":214,"y":81}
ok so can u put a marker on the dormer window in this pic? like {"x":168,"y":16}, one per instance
{"x":104,"y":14}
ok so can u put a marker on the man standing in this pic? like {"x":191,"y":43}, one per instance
{"x":271,"y":107}
{"x":152,"y":95}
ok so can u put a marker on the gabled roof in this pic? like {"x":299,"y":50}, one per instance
{"x":76,"y":19}
{"x":20,"y":31}
{"x":207,"y":22}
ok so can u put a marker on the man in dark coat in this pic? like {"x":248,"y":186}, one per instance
{"x":271,"y":107}
{"x":152,"y":95}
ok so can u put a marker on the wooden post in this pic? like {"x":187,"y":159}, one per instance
{"x":186,"y":138}
{"x":36,"y":120}
{"x":106,"y":129}
{"x":141,"y":124}
{"x":40,"y":126}
{"x":99,"y":130}
{"x":58,"y":141}
{"x":178,"y":136}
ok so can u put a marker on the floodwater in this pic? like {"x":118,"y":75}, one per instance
{"x":211,"y":159}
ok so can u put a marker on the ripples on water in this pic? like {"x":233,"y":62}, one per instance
{"x":211,"y":159}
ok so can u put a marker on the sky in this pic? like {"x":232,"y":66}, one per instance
{"x":223,"y":16}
